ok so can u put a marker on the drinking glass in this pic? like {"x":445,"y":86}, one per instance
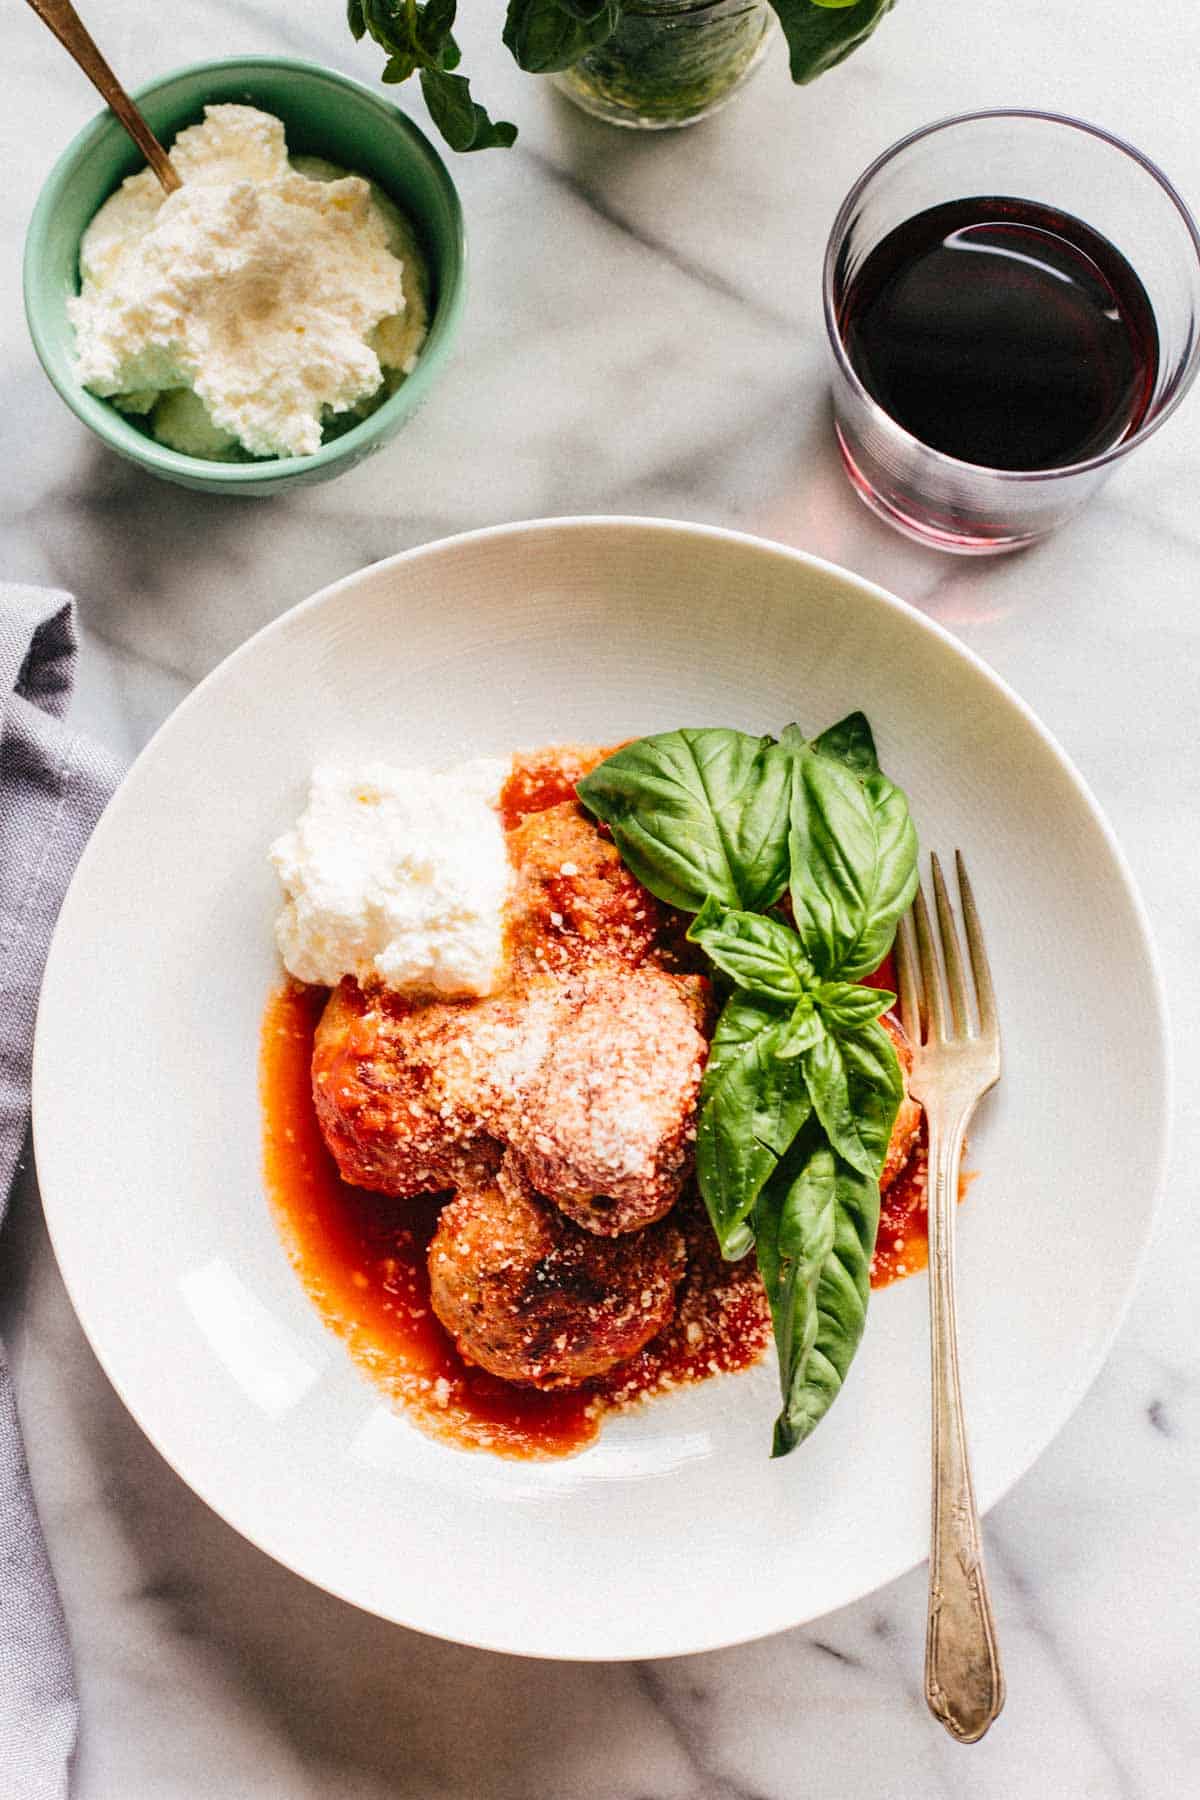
{"x":1054,"y":161}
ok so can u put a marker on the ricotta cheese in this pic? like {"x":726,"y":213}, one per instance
{"x":254,"y":305}
{"x":399,"y":875}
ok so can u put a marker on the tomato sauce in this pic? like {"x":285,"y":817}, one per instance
{"x":884,"y":976}
{"x":362,"y":1256}
{"x":902,"y":1245}
{"x":535,"y":785}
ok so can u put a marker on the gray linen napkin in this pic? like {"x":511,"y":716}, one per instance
{"x":52,"y":788}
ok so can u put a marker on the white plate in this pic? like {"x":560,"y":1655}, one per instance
{"x":675,"y":1532}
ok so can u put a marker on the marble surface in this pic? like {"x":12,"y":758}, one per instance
{"x":644,"y":336}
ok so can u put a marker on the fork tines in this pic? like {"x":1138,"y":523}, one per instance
{"x":924,"y":995}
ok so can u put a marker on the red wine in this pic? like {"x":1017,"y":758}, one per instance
{"x":1003,"y":333}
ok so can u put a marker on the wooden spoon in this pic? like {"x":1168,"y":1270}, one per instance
{"x":71,"y":32}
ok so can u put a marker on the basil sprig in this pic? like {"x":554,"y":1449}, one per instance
{"x":802,"y":1084}
{"x":419,"y":39}
{"x":543,"y":35}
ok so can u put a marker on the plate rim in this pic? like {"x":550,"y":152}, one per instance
{"x":582,"y":523}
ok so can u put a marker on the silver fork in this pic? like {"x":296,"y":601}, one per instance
{"x":955,"y":1062}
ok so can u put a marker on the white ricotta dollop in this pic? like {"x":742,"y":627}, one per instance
{"x":399,"y":875}
{"x":253,"y":304}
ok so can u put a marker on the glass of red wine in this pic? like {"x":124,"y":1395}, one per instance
{"x":1013,"y":305}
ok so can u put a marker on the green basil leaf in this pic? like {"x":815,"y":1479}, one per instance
{"x":819,"y":35}
{"x":805,"y":1028}
{"x":544,"y":34}
{"x":762,"y":955}
{"x":856,"y":1086}
{"x":435,"y":22}
{"x":462,"y":121}
{"x":384,"y":23}
{"x":847,"y":1005}
{"x":695,"y":813}
{"x":795,"y":1222}
{"x":421,"y":37}
{"x":815,"y":1222}
{"x":853,"y":862}
{"x":399,"y":67}
{"x":751,"y":1107}
{"x":850,"y":741}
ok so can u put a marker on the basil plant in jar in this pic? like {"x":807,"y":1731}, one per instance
{"x":648,"y":63}
{"x":670,"y":62}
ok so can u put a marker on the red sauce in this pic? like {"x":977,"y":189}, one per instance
{"x":902,"y":1246}
{"x":539,"y":780}
{"x":361,"y":1256}
{"x":884,"y":976}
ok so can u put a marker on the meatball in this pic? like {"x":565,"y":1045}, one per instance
{"x":591,"y":1076}
{"x":607,"y":1129}
{"x":400,"y":1088}
{"x":529,"y":1297}
{"x":909,"y":1116}
{"x":573,"y":898}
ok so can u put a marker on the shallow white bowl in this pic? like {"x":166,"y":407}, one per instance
{"x":675,"y":1532}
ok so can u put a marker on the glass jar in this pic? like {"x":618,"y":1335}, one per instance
{"x":670,"y":62}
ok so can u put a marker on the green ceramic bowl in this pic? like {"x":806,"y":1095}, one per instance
{"x":325,"y":114}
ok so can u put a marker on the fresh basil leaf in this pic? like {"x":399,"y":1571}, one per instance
{"x":751,"y":1107}
{"x":545,"y":34}
{"x":805,"y":1028}
{"x":795,"y":1222}
{"x":850,"y":741}
{"x":384,"y":22}
{"x":853,"y":862}
{"x":848,"y":1005}
{"x":462,"y":121}
{"x":695,"y":813}
{"x":419,"y":37}
{"x":762,"y":955}
{"x":856,"y":1086}
{"x":815,"y":1222}
{"x":435,"y":22}
{"x":820,"y":35}
{"x":399,"y":67}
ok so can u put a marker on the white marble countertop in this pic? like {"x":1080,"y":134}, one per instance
{"x":643,"y":336}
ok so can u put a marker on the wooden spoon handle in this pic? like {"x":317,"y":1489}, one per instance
{"x":71,"y":32}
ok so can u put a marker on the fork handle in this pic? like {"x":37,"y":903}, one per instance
{"x":964,"y":1685}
